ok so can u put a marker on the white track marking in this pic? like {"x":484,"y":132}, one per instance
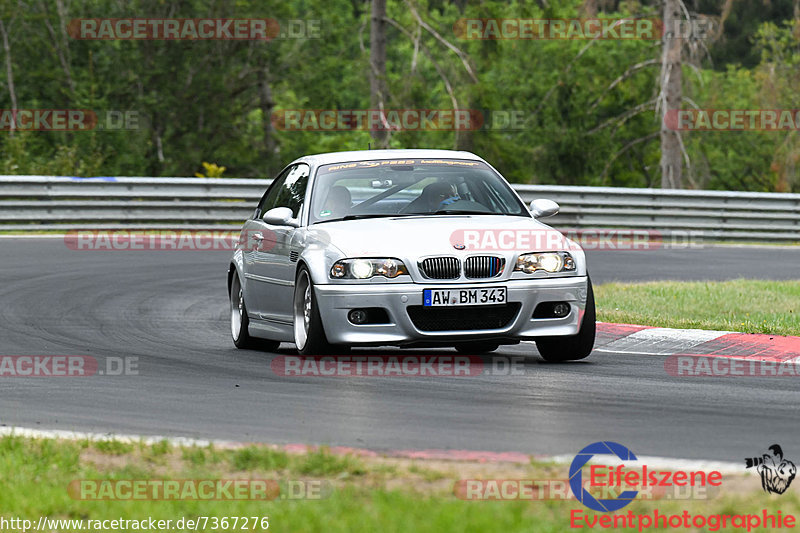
{"x":81,"y":435}
{"x":44,"y":236}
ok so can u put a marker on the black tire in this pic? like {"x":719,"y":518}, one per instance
{"x":309,"y":336}
{"x":476,"y":348}
{"x":240,"y":329}
{"x":573,"y":347}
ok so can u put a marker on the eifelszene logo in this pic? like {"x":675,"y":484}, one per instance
{"x":776,"y":472}
{"x":576,"y":478}
{"x":618,"y":477}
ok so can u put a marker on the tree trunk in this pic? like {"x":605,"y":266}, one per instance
{"x":670,"y":85}
{"x":60,"y":42}
{"x":267,"y":104}
{"x":377,"y":67}
{"x":588,"y":9}
{"x":797,"y":19}
{"x":9,"y":76}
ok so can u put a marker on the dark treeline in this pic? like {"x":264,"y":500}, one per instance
{"x":584,"y":112}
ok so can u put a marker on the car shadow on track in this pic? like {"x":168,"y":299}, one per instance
{"x":519,"y":359}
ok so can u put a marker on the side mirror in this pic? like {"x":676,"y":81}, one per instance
{"x":542,"y":208}
{"x":280,"y":216}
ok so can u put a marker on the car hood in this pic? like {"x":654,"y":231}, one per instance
{"x":413,"y":237}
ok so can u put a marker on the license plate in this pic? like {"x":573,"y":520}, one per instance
{"x":468,"y":296}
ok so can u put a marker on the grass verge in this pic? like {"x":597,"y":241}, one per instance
{"x":747,"y":306}
{"x":366,"y":494}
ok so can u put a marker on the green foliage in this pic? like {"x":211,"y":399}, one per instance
{"x":203,"y":101}
{"x":212,"y":170}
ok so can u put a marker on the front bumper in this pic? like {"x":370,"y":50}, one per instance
{"x":336,"y":301}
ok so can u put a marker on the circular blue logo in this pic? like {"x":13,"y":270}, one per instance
{"x":576,"y":480}
{"x":459,"y":246}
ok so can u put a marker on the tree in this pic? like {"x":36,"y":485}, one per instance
{"x":670,"y":95}
{"x":12,"y":92}
{"x":377,"y":69}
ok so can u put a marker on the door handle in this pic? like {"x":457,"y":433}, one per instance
{"x":258,"y":236}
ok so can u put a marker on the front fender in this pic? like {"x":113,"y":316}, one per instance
{"x":236,"y":265}
{"x":319,"y":263}
{"x":319,"y":255}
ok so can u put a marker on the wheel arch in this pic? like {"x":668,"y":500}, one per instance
{"x":236,"y":266}
{"x":315,"y":263}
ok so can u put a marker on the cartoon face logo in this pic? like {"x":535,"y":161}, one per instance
{"x":776,"y":472}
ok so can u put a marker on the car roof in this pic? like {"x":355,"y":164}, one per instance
{"x":369,"y":155}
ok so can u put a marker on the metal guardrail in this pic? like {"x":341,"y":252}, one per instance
{"x":710,"y":215}
{"x":48,"y":203}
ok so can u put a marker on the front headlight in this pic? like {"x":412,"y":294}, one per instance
{"x":367,"y":268}
{"x":547,"y":261}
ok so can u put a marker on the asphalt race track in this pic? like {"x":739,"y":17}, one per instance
{"x":169,"y":309}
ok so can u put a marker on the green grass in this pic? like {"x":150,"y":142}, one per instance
{"x":323,"y":463}
{"x":748,"y":306}
{"x":113,"y":447}
{"x":252,"y":458}
{"x":368,"y":494}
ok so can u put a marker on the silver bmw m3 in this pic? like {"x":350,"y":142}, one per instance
{"x":407,"y":248}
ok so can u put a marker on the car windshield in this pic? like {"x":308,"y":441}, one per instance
{"x":366,"y":189}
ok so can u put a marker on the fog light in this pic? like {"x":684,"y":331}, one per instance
{"x":357,"y":316}
{"x":560,"y":310}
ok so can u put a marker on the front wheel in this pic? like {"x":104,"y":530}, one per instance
{"x":572,"y":347}
{"x":309,"y":337}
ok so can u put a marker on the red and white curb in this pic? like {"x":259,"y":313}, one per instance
{"x":697,"y":343}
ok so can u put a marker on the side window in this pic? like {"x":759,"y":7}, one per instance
{"x":271,"y":196}
{"x":292,"y":191}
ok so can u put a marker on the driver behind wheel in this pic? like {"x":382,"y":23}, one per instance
{"x":435,"y":197}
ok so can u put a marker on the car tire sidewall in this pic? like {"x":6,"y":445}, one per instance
{"x":572,"y":348}
{"x":316,"y":341}
{"x":244,"y":340}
